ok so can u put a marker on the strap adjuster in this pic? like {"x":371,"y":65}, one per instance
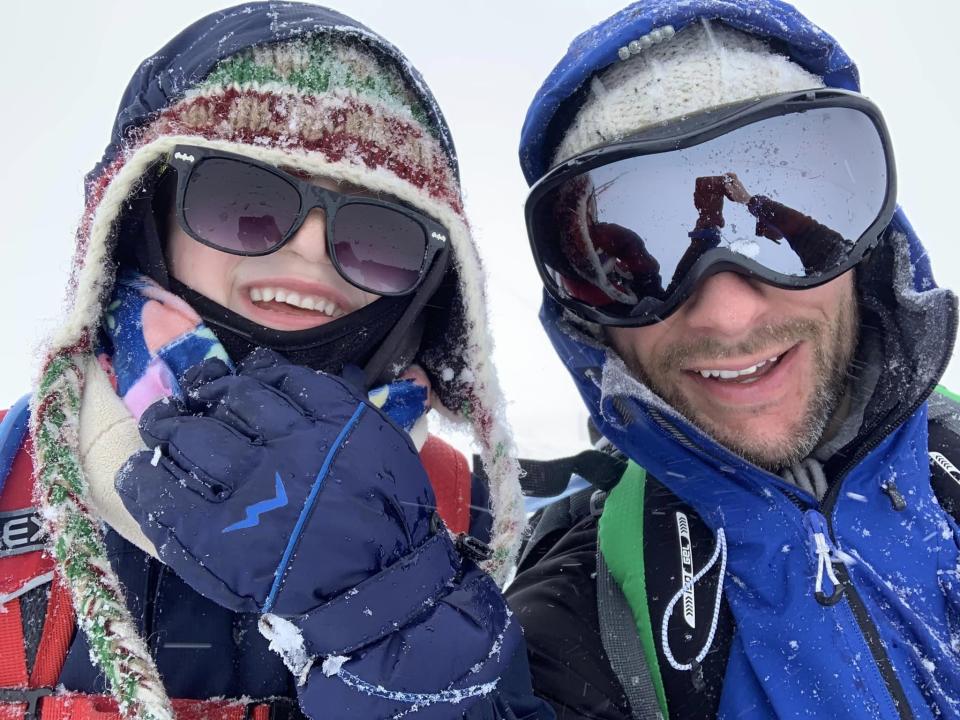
{"x":28,"y":696}
{"x":472,"y":548}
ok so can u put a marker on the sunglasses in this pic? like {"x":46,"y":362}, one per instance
{"x":244,"y":207}
{"x":793,"y":190}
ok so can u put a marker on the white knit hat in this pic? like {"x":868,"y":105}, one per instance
{"x":703,"y":66}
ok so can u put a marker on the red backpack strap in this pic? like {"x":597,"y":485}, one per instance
{"x":449,"y":474}
{"x":23,"y":567}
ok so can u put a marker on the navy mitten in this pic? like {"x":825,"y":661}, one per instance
{"x":281,"y":490}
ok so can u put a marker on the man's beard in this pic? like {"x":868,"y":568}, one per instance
{"x":833,"y":346}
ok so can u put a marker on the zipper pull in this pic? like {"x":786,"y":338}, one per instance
{"x":896,"y":497}
{"x":823,"y":550}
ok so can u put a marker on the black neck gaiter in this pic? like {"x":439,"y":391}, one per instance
{"x":349,"y":340}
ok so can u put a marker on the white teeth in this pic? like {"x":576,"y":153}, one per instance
{"x":291,"y":297}
{"x":730,"y":374}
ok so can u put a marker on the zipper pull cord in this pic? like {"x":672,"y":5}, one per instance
{"x":818,"y":529}
{"x":719,"y":552}
{"x":825,"y":564}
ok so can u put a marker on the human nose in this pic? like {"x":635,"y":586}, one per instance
{"x":726,"y":304}
{"x":310,"y":240}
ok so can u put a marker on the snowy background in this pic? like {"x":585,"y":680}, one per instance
{"x":65,"y":65}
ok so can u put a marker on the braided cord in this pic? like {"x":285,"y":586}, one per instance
{"x":76,"y":542}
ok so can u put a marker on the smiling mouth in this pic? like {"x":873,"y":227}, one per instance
{"x":291,"y":302}
{"x":740,"y":376}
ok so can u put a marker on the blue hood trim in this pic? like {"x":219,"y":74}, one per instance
{"x":189,"y":57}
{"x":592,"y":51}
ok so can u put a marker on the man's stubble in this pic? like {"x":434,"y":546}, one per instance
{"x":833,"y":346}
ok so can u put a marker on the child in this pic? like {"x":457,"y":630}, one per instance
{"x":280,"y":196}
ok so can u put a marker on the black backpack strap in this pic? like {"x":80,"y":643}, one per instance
{"x":551,"y":523}
{"x":943,"y":450}
{"x":621,"y":642}
{"x":548,"y":478}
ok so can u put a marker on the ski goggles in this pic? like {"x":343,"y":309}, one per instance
{"x":793,"y":189}
{"x":244,"y":207}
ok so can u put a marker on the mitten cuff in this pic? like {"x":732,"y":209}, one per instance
{"x":382,"y":603}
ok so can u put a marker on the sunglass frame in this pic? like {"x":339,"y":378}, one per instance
{"x":186,"y":158}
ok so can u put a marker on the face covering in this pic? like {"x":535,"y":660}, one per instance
{"x":349,"y":340}
{"x":386,"y":333}
{"x":151,"y":337}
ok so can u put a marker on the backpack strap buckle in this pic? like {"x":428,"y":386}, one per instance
{"x":28,"y":696}
{"x":473,"y":548}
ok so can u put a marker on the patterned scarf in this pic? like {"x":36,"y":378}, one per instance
{"x":152,"y":337}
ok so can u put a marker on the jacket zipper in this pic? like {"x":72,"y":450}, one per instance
{"x":866,"y":625}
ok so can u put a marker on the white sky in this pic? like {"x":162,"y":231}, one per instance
{"x":66,"y":64}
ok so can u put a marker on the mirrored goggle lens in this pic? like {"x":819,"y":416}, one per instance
{"x":239,"y":207}
{"x":380,"y":249}
{"x":793,"y":193}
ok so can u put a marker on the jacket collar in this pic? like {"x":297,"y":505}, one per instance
{"x":915,"y":323}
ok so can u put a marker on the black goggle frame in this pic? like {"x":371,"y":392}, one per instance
{"x":696,"y":129}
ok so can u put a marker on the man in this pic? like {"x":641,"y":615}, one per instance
{"x":755,"y":330}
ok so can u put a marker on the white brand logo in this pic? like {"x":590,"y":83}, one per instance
{"x":686,"y":569}
{"x":438,"y":236}
{"x":20,"y":532}
{"x":184,"y":157}
{"x":948,"y":467}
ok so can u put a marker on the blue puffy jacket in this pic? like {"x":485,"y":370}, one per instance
{"x":887,"y":648}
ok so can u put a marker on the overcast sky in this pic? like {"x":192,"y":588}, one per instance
{"x":66,"y":63}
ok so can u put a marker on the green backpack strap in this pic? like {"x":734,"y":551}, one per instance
{"x":625,"y":625}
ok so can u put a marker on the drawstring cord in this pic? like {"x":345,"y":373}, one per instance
{"x":824,"y":563}
{"x":819,"y":530}
{"x":719,"y":551}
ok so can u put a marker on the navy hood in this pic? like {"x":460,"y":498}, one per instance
{"x":189,"y":57}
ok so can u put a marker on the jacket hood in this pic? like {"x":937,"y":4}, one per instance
{"x":289,"y":84}
{"x":190,"y":56}
{"x":402,"y":147}
{"x":898,"y":296}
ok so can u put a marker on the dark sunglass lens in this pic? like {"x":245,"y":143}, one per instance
{"x":239,"y":207}
{"x":378,"y":248}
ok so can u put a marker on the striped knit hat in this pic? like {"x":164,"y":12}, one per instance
{"x":293,"y":85}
